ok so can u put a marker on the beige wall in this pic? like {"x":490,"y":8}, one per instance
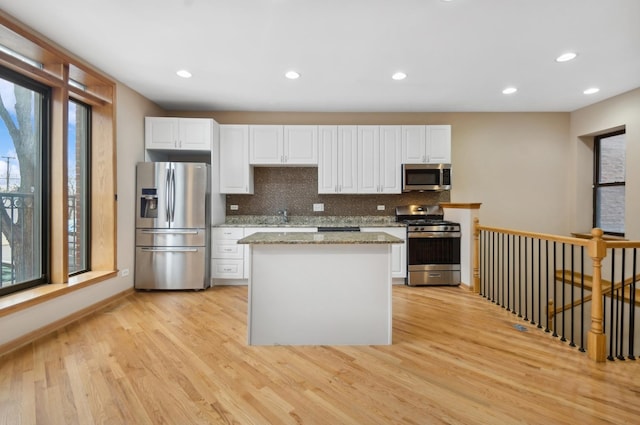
{"x":522,"y":167}
{"x":131,"y":109}
{"x":515,"y":164}
{"x":611,"y":114}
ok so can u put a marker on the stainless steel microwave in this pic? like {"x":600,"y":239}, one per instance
{"x":423,"y":177}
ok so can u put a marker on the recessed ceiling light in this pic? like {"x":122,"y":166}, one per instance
{"x":509,"y":90}
{"x":591,"y":90}
{"x":399,"y":76}
{"x":292,"y":75}
{"x":566,"y":57}
{"x":184,"y":73}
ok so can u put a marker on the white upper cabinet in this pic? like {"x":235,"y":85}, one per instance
{"x":439,"y":144}
{"x":414,"y":145}
{"x":426,"y":144}
{"x":301,"y":144}
{"x":266,"y":144}
{"x":390,"y":159}
{"x":189,"y":134}
{"x":328,"y":159}
{"x":283,"y":145}
{"x":379,"y":155}
{"x":236,"y":175}
{"x":337,"y":159}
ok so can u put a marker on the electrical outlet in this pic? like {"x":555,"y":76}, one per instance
{"x":124,"y":272}
{"x":318,"y":207}
{"x":381,"y":207}
{"x":233,"y":207}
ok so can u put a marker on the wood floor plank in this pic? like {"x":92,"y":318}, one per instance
{"x":182,"y":358}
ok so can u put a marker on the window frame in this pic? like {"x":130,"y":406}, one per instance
{"x":597,"y":142}
{"x":87,"y":208}
{"x":69,"y":76}
{"x":45,"y":110}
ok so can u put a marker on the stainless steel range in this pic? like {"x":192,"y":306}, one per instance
{"x":433,"y":246}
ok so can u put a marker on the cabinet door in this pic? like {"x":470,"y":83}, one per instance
{"x":390,"y":159}
{"x":301,"y":144}
{"x":235,"y":172}
{"x":265,"y":144}
{"x":347,"y":159}
{"x":327,"y":159}
{"x":414,"y":144}
{"x":368,"y":159}
{"x":160,"y":133}
{"x":195,"y":134}
{"x":439,"y":144}
{"x":398,"y":251}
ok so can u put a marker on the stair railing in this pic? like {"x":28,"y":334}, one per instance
{"x":529,"y":274}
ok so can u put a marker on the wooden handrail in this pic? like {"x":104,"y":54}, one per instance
{"x":543,"y":236}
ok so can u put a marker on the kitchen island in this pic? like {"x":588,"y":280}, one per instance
{"x":330,"y":288}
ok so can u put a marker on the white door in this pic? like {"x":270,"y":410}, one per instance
{"x":414,"y":144}
{"x":265,"y":144}
{"x":348,"y":159}
{"x":327,"y":159}
{"x":439,"y":144}
{"x":301,"y":144}
{"x":235,"y":171}
{"x":390,"y":159}
{"x":368,"y":159}
{"x":160,"y":133}
{"x":195,"y":134}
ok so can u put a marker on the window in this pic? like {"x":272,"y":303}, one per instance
{"x":78,"y":182}
{"x":24,"y":107}
{"x":70,"y":151}
{"x":609,"y":183}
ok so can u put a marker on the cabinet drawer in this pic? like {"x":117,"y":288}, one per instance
{"x":227,"y":269}
{"x":227,"y":249}
{"x":234,"y":233}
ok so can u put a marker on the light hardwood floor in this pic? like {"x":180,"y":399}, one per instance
{"x":182,"y":358}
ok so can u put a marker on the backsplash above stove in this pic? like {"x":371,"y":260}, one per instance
{"x":296,"y":189}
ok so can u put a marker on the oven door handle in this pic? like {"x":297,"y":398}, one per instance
{"x":441,"y":235}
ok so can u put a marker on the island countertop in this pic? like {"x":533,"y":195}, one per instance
{"x":264,"y":238}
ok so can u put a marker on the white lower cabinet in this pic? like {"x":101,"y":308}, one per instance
{"x":227,"y":257}
{"x":230,"y":262}
{"x":398,"y":251}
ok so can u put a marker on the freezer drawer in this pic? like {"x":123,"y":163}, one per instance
{"x":171,"y":268}
{"x":171,"y":237}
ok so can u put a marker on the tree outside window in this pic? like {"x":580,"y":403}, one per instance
{"x":23,"y":106}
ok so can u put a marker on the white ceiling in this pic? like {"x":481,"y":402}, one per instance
{"x":458,"y":55}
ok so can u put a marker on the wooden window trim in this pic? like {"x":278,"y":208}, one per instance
{"x":59,"y":68}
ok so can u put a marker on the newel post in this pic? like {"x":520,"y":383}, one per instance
{"x":596,"y":340}
{"x":476,"y":255}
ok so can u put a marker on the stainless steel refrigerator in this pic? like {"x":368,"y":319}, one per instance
{"x":172,"y":225}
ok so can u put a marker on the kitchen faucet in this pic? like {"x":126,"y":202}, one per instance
{"x":285,"y":218}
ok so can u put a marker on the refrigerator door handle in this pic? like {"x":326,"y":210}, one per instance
{"x":169,"y":232}
{"x":173,"y":193}
{"x":169,"y":249}
{"x":167,"y":184}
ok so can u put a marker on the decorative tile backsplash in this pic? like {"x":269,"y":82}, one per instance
{"x":296,"y":189}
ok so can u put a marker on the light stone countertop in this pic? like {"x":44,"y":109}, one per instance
{"x":309,"y":221}
{"x":264,"y":238}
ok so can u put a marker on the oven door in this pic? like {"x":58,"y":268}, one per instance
{"x":433,"y":258}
